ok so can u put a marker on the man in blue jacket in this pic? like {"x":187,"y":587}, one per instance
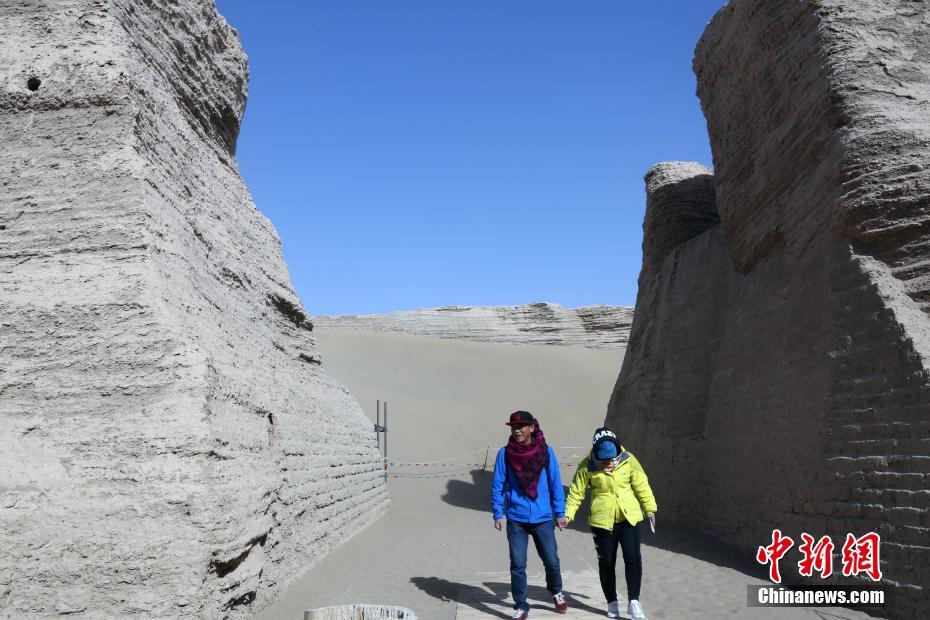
{"x":527,"y":480}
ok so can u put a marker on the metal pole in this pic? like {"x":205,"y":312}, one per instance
{"x":378,"y":425}
{"x":385,"y":439}
{"x":486,"y":452}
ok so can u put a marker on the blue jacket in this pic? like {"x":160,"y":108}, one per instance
{"x":550,"y":498}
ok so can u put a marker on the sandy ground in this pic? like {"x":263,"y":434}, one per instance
{"x":435,"y":550}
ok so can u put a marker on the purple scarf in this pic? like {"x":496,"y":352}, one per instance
{"x":528,"y":460}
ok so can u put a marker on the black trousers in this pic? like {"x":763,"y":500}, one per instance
{"x":625,"y":536}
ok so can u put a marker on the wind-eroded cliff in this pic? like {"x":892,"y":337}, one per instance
{"x":599,"y":327}
{"x":169,"y":445}
{"x":778,"y":369}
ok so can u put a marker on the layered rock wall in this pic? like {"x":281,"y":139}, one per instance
{"x":599,"y":327}
{"x":169,"y":444}
{"x":778,"y":370}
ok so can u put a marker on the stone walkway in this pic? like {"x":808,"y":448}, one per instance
{"x":433,"y":549}
{"x":489,"y":600}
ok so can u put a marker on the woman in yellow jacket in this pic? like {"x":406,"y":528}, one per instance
{"x":620,"y":494}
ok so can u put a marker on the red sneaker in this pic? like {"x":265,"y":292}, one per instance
{"x":520,"y":614}
{"x":561,"y":603}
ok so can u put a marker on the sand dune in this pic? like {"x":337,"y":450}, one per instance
{"x":435,"y":550}
{"x":449,"y":397}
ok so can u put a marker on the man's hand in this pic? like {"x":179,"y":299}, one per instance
{"x":498,"y":524}
{"x":652,"y":522}
{"x":562,"y":522}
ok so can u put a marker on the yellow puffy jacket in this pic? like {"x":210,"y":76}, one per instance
{"x":622,"y":494}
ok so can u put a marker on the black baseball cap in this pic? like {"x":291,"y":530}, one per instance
{"x":519,"y":418}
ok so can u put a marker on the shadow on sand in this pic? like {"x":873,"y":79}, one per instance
{"x":494,"y":593}
{"x":476,"y":495}
{"x":700,"y":546}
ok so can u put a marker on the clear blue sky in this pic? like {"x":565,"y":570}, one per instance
{"x":419,"y":153}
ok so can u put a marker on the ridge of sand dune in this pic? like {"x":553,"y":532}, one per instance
{"x":598,"y":326}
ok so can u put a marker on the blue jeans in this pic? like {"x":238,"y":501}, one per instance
{"x":544,"y":537}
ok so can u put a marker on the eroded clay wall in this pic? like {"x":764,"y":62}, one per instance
{"x":171,"y":445}
{"x":777,"y":373}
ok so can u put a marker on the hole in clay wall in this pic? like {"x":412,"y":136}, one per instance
{"x":33,"y":83}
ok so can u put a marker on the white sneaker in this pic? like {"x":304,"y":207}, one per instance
{"x":520,"y":614}
{"x":613,"y":609}
{"x":636,"y":610}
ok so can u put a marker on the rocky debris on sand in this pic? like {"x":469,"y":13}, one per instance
{"x":778,"y":369}
{"x":598,"y":327}
{"x":166,"y":449}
